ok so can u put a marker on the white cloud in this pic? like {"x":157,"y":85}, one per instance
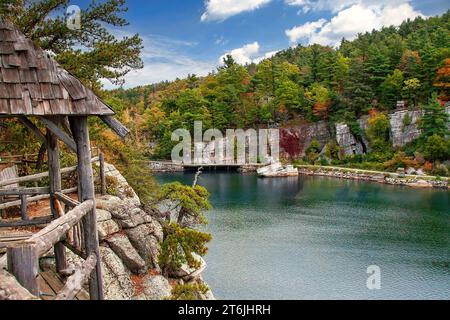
{"x":243,"y":55}
{"x":355,"y":19}
{"x":304,"y":31}
{"x":249,"y":53}
{"x":164,"y":60}
{"x":268,"y":55}
{"x":338,"y":5}
{"x":220,"y":10}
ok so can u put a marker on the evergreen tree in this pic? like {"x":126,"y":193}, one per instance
{"x":103,"y":55}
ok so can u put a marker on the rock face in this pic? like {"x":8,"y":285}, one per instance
{"x":130,"y":240}
{"x":402,"y":134}
{"x":295,"y":140}
{"x":347,"y":141}
{"x":116,"y":277}
{"x":123,"y":248}
{"x":156,"y":288}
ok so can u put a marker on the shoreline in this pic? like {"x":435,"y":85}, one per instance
{"x":389,"y":178}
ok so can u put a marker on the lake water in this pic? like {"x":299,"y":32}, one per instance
{"x":314,"y":238}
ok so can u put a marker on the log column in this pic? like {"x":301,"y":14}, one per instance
{"x":80,"y":132}
{"x":54,"y":169}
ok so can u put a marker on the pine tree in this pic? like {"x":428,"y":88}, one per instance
{"x":103,"y":55}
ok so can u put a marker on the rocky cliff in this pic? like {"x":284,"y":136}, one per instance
{"x":130,"y":239}
{"x":296,"y":139}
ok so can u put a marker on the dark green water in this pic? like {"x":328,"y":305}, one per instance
{"x":313,"y":238}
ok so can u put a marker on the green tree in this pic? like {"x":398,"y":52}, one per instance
{"x":391,"y":89}
{"x":434,"y":120}
{"x":411,"y":90}
{"x":378,"y":132}
{"x":103,"y":56}
{"x":436,"y":148}
{"x":190,"y":202}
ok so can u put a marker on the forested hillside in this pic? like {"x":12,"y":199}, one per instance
{"x":367,"y":76}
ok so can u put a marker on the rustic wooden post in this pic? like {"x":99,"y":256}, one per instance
{"x":80,"y":132}
{"x":54,"y":169}
{"x":23,"y":264}
{"x":102,"y":173}
{"x":24,"y":206}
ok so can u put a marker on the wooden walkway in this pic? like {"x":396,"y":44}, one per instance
{"x":50,"y":283}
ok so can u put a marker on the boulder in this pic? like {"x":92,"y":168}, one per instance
{"x":107,"y":228}
{"x":134,"y":218}
{"x":347,"y":141}
{"x":123,"y":248}
{"x":156,"y":288}
{"x":146,"y":239}
{"x":187,"y":273}
{"x":124,"y":190}
{"x":117,"y":282}
{"x":103,"y":215}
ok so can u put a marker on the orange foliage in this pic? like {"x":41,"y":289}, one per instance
{"x":443,"y":76}
{"x":428,"y":166}
{"x":373,"y":112}
{"x":321,"y":109}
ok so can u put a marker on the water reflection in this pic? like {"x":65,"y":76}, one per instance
{"x":307,"y":238}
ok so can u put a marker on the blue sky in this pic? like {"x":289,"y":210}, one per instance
{"x":190,"y":36}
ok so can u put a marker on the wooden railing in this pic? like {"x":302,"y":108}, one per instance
{"x":22,"y":258}
{"x":28,"y":195}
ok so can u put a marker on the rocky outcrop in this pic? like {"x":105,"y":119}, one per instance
{"x":156,"y":288}
{"x":347,"y":141}
{"x":403,"y":132}
{"x":123,"y":248}
{"x":117,"y":282}
{"x":130,"y":243}
{"x":295,"y":140}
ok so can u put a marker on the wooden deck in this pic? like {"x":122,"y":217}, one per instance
{"x":50,"y":283}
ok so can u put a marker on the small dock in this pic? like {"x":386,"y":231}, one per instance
{"x":169,"y":166}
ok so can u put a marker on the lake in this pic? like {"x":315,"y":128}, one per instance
{"x":314,"y":238}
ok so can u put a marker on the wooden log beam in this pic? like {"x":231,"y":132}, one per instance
{"x":39,"y":176}
{"x":68,"y":201}
{"x":30,"y":125}
{"x":75,"y":283}
{"x":23,"y":264}
{"x":10,"y":288}
{"x":102,"y":174}
{"x":57,"y":230}
{"x":54,"y":169}
{"x":26,"y":223}
{"x":116,"y":126}
{"x":57,"y":131}
{"x":34,"y":199}
{"x":24,"y":207}
{"x":24,"y":191}
{"x":80,"y":131}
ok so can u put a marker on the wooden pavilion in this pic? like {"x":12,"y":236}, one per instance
{"x":33,"y":86}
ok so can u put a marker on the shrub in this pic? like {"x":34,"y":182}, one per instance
{"x":313,"y":152}
{"x":378,"y":132}
{"x":436,"y":148}
{"x":400,"y":160}
{"x":189,"y":291}
{"x":179,"y":245}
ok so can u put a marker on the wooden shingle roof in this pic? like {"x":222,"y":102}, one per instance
{"x":33,"y":83}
